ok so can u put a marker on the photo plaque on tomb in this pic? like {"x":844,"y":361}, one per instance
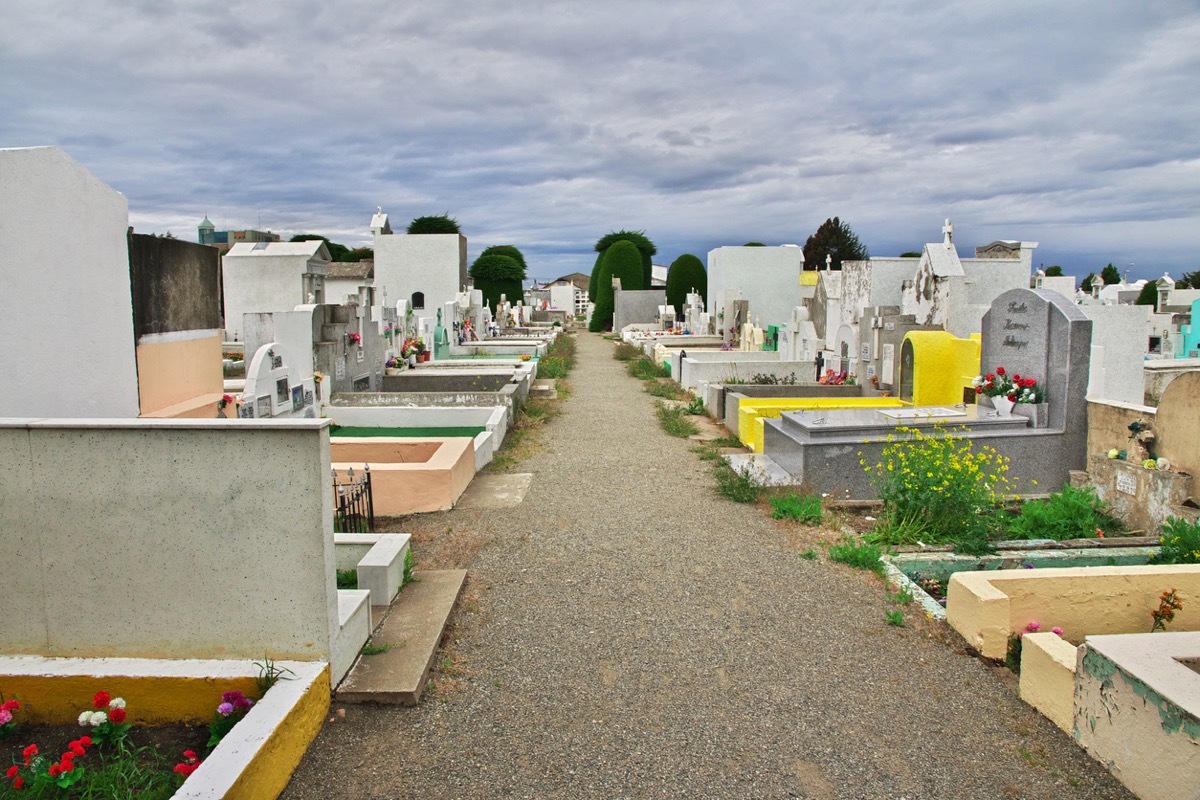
{"x":263,"y":405}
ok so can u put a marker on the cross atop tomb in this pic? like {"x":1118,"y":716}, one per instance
{"x":948,"y":231}
{"x":828,"y":262}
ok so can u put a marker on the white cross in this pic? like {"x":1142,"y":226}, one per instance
{"x":828,"y":261}
{"x":948,"y":230}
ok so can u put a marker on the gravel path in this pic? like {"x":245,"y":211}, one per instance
{"x":635,"y":635}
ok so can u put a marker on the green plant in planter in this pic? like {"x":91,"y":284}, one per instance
{"x":1179,"y":542}
{"x":1069,"y":513}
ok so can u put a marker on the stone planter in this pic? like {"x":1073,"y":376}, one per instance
{"x":1037,"y":413}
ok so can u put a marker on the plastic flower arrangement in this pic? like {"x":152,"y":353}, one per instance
{"x":1014,"y":387}
{"x":106,"y":718}
{"x":409,"y":348}
{"x":392,"y":363}
{"x":354,"y":339}
{"x":232,"y":708}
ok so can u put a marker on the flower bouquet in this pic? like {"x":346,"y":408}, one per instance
{"x":1014,"y":387}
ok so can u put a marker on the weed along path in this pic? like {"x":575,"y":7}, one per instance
{"x":628,"y":632}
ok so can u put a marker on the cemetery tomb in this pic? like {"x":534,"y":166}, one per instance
{"x":409,"y":476}
{"x":723,"y":399}
{"x":1031,"y":333}
{"x":937,"y":368}
{"x":753,"y":412}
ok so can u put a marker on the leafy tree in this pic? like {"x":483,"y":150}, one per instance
{"x":754,"y":244}
{"x":1110,"y":275}
{"x":686,"y":273}
{"x":1054,"y":271}
{"x":595,"y":274}
{"x":623,"y":262}
{"x":1148,"y":296}
{"x":1086,"y":285}
{"x":361,"y":254}
{"x":836,"y":240}
{"x":911,"y":254}
{"x":507,"y":250}
{"x":1190,"y":280}
{"x":337,"y":252}
{"x":645,"y":247}
{"x":495,"y":275}
{"x":442,"y":223}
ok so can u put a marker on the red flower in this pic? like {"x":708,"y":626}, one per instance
{"x":30,"y":752}
{"x":101,"y":699}
{"x":978,"y":390}
{"x":66,"y":766}
{"x":55,"y":770}
{"x":68,"y":756}
{"x":18,"y":782}
{"x":12,"y":772}
{"x":1000,"y":371}
{"x":86,"y":741}
{"x":116,"y":715}
{"x":190,"y":755}
{"x":11,"y":705}
{"x":991,"y":377}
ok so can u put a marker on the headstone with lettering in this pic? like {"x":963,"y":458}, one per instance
{"x":1040,"y":334}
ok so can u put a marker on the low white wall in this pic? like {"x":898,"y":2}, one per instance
{"x":694,"y":373}
{"x":167,"y":539}
{"x":494,"y":418}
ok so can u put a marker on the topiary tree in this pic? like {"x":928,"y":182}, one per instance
{"x":686,"y":273}
{"x":645,"y":247}
{"x":835,"y":240}
{"x":495,"y":275}
{"x":507,"y":250}
{"x":1148,"y":296}
{"x":623,"y":262}
{"x":593,"y":281}
{"x":442,"y":223}
{"x":754,"y":244}
{"x":1054,"y":271}
{"x":911,"y":254}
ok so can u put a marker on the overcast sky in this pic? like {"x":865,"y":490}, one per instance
{"x":546,"y":125}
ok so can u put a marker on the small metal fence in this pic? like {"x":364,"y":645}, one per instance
{"x":354,"y":507}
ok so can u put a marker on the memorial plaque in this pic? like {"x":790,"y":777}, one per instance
{"x":1126,"y":483}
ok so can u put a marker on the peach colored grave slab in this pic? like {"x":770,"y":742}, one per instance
{"x":409,"y":476}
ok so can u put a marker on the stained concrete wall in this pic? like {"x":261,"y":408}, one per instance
{"x":176,"y":285}
{"x":66,"y":257}
{"x":167,"y":539}
{"x":1179,"y":424}
{"x":637,"y":307}
{"x":1108,"y":424}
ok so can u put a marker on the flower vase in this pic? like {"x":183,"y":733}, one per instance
{"x":1003,"y":406}
{"x":391,"y":371}
{"x":412,"y":360}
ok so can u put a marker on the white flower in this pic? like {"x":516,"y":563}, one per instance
{"x":98,"y":718}
{"x":117,"y":702}
{"x":85,"y":718}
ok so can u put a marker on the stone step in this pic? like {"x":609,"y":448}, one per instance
{"x":543,"y":389}
{"x":413,"y":628}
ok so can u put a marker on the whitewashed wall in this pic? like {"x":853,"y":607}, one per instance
{"x":435,"y":264}
{"x":769,"y":277}
{"x":66,"y":316}
{"x":167,"y":538}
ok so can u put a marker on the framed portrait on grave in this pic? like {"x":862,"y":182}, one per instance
{"x":308,"y":398}
{"x":263,"y":405}
{"x":297,"y":398}
{"x":246,"y":411}
{"x":276,"y":362}
{"x":282,"y":392}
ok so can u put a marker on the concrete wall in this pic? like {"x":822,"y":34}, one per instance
{"x":433,"y":264}
{"x":769,"y":277}
{"x":255,"y":282}
{"x":66,"y":312}
{"x":694,"y":373}
{"x":176,"y":285}
{"x":1159,"y":374}
{"x":167,"y":539}
{"x":1108,"y":424}
{"x":1178,"y":426}
{"x":985,"y":607}
{"x":637,"y":307}
{"x":1118,"y":346}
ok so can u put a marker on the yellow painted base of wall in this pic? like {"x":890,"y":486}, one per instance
{"x":752,"y":411}
{"x":1048,"y":677}
{"x":254,"y":761}
{"x":943,"y":366}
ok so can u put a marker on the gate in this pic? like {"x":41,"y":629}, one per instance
{"x":354,"y":508}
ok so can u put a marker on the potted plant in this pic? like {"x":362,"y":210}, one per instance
{"x":392,"y":366}
{"x":422,"y":351}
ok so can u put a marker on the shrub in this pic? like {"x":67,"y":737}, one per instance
{"x":625,"y":264}
{"x":625,"y":351}
{"x":685,"y":273}
{"x":507,"y":250}
{"x":667,"y":389}
{"x":805,"y":508}
{"x":553,"y":367}
{"x":859,"y":554}
{"x":592,"y":281}
{"x":674,"y":421}
{"x":645,"y":247}
{"x":602,"y":311}
{"x":644,"y":369}
{"x":1180,"y":542}
{"x":696,"y":406}
{"x":1069,"y":513}
{"x":442,"y":223}
{"x":736,"y":484}
{"x":936,"y":487}
{"x":497,"y":275}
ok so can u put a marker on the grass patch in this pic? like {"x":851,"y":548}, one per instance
{"x":737,"y":485}
{"x":626,"y":352}
{"x":645,"y":369}
{"x":347,"y":579}
{"x":370,"y":649}
{"x":696,"y":407}
{"x":894,"y":617}
{"x":858,"y":554}
{"x":809,"y":555}
{"x":674,"y":421}
{"x":900,"y":598}
{"x":803,"y":508}
{"x":666,"y":389}
{"x":559,"y":359}
{"x":524,"y":435}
